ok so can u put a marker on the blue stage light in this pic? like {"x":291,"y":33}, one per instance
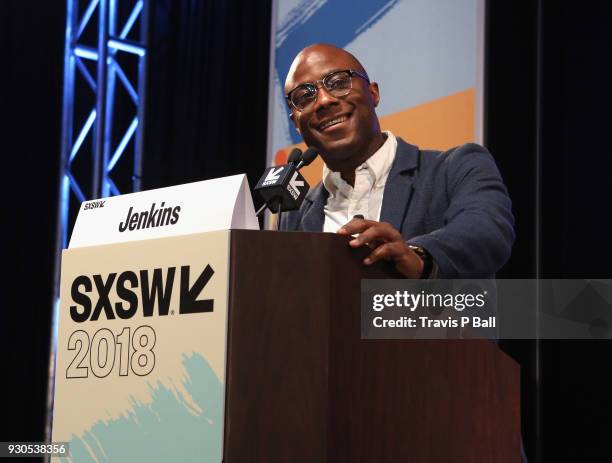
{"x":127,"y":47}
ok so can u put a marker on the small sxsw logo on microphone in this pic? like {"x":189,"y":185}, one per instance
{"x":293,"y":185}
{"x":273,"y":176}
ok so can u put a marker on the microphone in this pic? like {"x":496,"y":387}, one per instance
{"x":295,"y":156}
{"x":309,"y":155}
{"x":283,"y":188}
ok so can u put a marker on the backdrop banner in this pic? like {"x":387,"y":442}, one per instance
{"x":427,"y":58}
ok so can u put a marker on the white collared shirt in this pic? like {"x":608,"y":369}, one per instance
{"x":366,"y":196}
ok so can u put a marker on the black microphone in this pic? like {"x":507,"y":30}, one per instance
{"x":295,"y":156}
{"x":283,"y":188}
{"x":309,"y":155}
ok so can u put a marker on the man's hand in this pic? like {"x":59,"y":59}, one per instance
{"x":387,"y":243}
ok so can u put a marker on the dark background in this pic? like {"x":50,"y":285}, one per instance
{"x":546,"y":122}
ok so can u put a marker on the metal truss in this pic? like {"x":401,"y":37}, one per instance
{"x":100,"y":42}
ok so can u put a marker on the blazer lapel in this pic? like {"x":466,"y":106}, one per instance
{"x":314,"y":216}
{"x":399,"y":186}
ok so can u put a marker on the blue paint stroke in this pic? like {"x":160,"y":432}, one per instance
{"x":167,"y":429}
{"x":337,"y":22}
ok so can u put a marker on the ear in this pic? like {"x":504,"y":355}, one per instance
{"x":375,"y":93}
{"x":295,"y":122}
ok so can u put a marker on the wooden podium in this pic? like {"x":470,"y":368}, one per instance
{"x":301,"y":385}
{"x":246,"y":346}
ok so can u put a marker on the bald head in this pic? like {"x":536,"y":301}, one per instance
{"x":312,"y":55}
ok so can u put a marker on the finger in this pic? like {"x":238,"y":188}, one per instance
{"x":378,"y":232}
{"x":406,"y":261}
{"x":356,"y":225}
{"x":386,"y":251}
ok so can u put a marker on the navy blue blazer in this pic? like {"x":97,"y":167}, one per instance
{"x":452,"y":203}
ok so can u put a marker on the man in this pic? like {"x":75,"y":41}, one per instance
{"x":433,"y":214}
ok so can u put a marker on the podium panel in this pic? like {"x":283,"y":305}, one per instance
{"x":302,"y":386}
{"x":140,"y":367}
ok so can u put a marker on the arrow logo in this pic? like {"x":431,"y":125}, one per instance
{"x":274,"y":174}
{"x":295,"y":183}
{"x":189,"y":296}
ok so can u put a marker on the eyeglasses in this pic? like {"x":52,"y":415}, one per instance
{"x":337,"y":84}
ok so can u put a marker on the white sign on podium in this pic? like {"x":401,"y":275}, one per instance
{"x":210,"y":205}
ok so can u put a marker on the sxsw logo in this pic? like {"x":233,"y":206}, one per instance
{"x":293,"y":186}
{"x":93,"y":296}
{"x":94,"y":205}
{"x":273,"y":176}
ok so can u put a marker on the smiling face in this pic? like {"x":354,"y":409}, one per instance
{"x":344,"y":129}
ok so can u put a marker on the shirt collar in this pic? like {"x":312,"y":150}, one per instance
{"x":379,"y":165}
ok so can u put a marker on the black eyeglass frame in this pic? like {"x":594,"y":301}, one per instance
{"x":313,"y":85}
